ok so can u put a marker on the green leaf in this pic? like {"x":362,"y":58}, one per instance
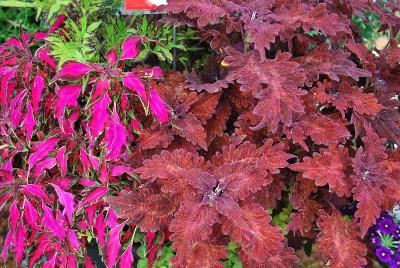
{"x":13,"y":3}
{"x":142,"y":263}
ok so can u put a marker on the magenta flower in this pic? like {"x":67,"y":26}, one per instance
{"x":157,"y":106}
{"x":383,"y":254}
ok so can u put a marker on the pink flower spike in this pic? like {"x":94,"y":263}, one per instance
{"x":67,"y":200}
{"x":157,"y":107}
{"x":133,"y":83}
{"x":73,"y":71}
{"x":129,"y":48}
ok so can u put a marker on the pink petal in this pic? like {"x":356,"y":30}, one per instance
{"x":67,"y":200}
{"x":99,"y":116}
{"x":157,"y":107}
{"x":43,"y":54}
{"x":126,"y":259}
{"x":29,"y":122}
{"x":73,"y":71}
{"x":133,"y":83}
{"x":62,"y":161}
{"x":30,"y":214}
{"x":19,"y":247}
{"x":129,"y":48}
{"x":115,"y":136}
{"x":42,"y":150}
{"x":114,"y":244}
{"x":92,"y":197}
{"x":37,"y":90}
{"x":100,"y":227}
{"x":51,"y":224}
{"x":67,"y":97}
{"x":35,"y":190}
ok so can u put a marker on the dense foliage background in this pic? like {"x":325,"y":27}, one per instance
{"x":273,"y":144}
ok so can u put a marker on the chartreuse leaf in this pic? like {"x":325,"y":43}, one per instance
{"x":233,"y":259}
{"x":163,"y":261}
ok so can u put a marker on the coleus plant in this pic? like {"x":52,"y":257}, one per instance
{"x":201,"y":159}
{"x":298,"y":105}
{"x":64,"y":143}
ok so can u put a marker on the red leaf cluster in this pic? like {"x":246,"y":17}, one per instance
{"x":280,"y":93}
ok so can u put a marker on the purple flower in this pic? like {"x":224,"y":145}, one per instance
{"x":376,"y":241}
{"x":395,"y":261}
{"x":383,"y":254}
{"x":396,"y":232}
{"x":385,"y":216}
{"x":386,"y":226}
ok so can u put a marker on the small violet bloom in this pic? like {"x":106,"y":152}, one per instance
{"x":383,"y":254}
{"x":376,"y":241}
{"x":386,"y":226}
{"x":395,"y":261}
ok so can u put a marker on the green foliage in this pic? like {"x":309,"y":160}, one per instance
{"x":282,"y":218}
{"x":368,"y":27}
{"x":166,"y":253}
{"x":77,"y":44}
{"x":14,"y":20}
{"x":233,"y":259}
{"x":157,"y":39}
